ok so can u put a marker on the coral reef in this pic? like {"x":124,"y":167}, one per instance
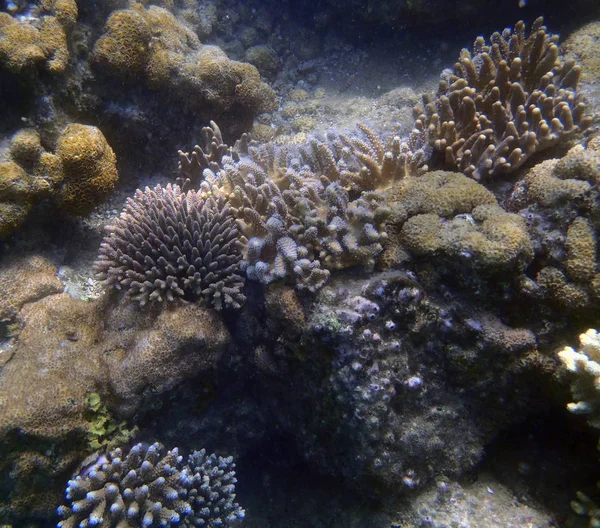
{"x":558,"y":199}
{"x":148,"y":487}
{"x":17,"y":195}
{"x":585,"y":389}
{"x":168,"y":244}
{"x":25,"y":279}
{"x":457,"y":220}
{"x":89,"y":169}
{"x":305,"y":210}
{"x":80,"y":175}
{"x":503,"y":102}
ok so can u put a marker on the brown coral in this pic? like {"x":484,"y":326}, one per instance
{"x":503,"y":102}
{"x":152,"y":42}
{"x":89,"y":168}
{"x":26,"y":45}
{"x":25,"y":279}
{"x":16,"y":197}
{"x":69,"y":347}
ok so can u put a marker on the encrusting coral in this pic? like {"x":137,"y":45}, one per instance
{"x":148,"y":487}
{"x":168,"y":244}
{"x":503,"y":102}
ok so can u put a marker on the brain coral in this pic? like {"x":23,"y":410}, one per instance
{"x":168,"y":244}
{"x":150,"y":488}
{"x":503,"y":102}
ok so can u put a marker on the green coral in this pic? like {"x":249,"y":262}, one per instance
{"x":104,"y":430}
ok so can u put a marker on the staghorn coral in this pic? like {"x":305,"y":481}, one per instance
{"x":503,"y":102}
{"x":148,"y":487}
{"x":309,"y":208}
{"x":168,"y":244}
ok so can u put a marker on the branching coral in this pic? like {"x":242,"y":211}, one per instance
{"x":309,"y":208}
{"x":148,"y":487}
{"x":585,"y":363}
{"x":168,"y":244}
{"x":503,"y":102}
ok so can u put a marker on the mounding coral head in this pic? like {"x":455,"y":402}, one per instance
{"x":148,"y":487}
{"x":167,"y":244}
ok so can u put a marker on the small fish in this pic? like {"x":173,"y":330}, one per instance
{"x":348,"y":84}
{"x":522,"y":3}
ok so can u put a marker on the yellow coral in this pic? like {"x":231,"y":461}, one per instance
{"x":26,"y":147}
{"x":20,"y":46}
{"x":581,"y":250}
{"x":23,"y":46}
{"x":124,"y":47}
{"x":443,"y":193}
{"x":89,"y":168}
{"x":16,"y":197}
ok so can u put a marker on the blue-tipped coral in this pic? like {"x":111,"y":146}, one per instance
{"x":150,"y":488}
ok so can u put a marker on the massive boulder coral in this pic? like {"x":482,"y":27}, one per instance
{"x":78,"y":176}
{"x":167,"y":244}
{"x":503,"y":102}
{"x":449,"y":216}
{"x":17,"y":196}
{"x":70,"y":348}
{"x":37,"y":41}
{"x":153,"y":43}
{"x":558,"y":199}
{"x":148,"y":487}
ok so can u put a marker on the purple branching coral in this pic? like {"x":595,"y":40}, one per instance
{"x":149,"y":488}
{"x":168,"y":244}
{"x":305,"y":210}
